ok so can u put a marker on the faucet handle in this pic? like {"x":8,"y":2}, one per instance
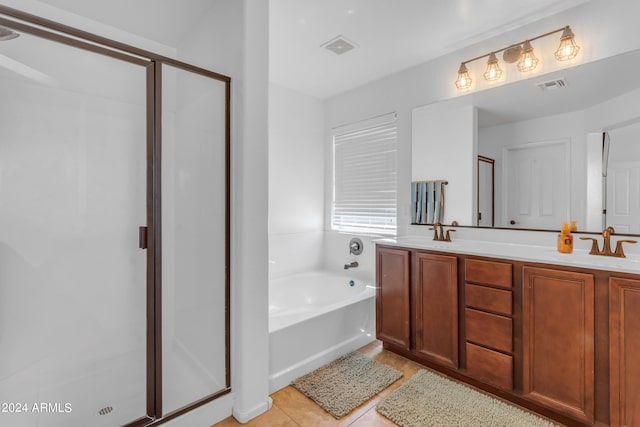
{"x":448,"y":236}
{"x":619,"y":250}
{"x":435,"y":231}
{"x":594,"y":245}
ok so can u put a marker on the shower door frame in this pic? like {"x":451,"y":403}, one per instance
{"x":151,"y":233}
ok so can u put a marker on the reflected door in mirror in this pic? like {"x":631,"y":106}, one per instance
{"x":536,"y":185}
{"x":486,"y":187}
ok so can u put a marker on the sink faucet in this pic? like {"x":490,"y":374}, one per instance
{"x":353,"y":264}
{"x":439,"y":232}
{"x":606,"y":244}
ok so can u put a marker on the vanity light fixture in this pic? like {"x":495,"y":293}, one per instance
{"x":522,"y":53}
{"x":493,"y":69}
{"x":528,"y":60}
{"x":464,"y":80}
{"x":568,"y":48}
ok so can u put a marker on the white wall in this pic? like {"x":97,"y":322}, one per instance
{"x":445,"y":147}
{"x":296,"y":181}
{"x":566,"y":126}
{"x":602,"y":28}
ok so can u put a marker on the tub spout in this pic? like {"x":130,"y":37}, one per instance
{"x":353,"y":264}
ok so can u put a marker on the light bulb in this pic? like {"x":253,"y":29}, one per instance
{"x":528,"y":60}
{"x":464,"y":80}
{"x":493,"y":69}
{"x":568,"y":48}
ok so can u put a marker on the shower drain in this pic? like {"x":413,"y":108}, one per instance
{"x":105,"y":410}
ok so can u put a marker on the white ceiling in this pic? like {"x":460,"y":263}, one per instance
{"x":163,"y":21}
{"x":391,"y":35}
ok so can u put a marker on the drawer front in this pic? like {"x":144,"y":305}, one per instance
{"x":489,"y":272}
{"x":490,"y":366}
{"x":489,"y":330}
{"x":491,"y":299}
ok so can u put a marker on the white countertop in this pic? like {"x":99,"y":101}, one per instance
{"x":521,"y":252}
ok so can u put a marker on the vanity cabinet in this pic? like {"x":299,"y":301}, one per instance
{"x":563,"y":341}
{"x":435,"y":299}
{"x":558,"y":340}
{"x":624,"y":332}
{"x":392,"y":296}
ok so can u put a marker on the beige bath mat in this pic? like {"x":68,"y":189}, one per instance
{"x":430,"y":400}
{"x":346,"y":383}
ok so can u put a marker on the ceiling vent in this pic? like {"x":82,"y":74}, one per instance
{"x":552,"y":84}
{"x":339,"y":45}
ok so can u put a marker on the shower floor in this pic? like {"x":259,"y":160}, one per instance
{"x":75,"y":395}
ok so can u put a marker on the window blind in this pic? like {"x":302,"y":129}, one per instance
{"x":364,"y":171}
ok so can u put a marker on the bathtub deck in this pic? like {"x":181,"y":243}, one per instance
{"x":292,"y":408}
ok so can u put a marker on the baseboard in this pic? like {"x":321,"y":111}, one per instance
{"x":245,"y":417}
{"x":283,"y":378}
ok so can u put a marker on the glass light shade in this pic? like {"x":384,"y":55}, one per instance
{"x":528,"y":60}
{"x":568,"y":48}
{"x":493,"y":69}
{"x":464,"y":79}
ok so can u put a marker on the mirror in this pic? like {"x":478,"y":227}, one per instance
{"x":545,"y":137}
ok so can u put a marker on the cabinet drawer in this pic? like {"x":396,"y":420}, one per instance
{"x":491,"y":299}
{"x":489,"y":273}
{"x":490,"y":366}
{"x":489,"y":329}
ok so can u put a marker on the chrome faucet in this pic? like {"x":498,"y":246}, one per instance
{"x":606,"y":244}
{"x":353,"y":264}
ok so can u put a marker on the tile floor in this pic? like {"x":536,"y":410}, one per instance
{"x":292,"y":408}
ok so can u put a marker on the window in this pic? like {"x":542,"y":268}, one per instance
{"x":364,"y":176}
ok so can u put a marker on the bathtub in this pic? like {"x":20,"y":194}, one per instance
{"x":314,"y":318}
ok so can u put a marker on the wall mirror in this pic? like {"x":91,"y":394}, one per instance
{"x":563,"y":146}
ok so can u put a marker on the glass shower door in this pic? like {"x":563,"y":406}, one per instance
{"x":72,"y":276}
{"x":194,"y":240}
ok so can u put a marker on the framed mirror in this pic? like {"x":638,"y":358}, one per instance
{"x":547,"y":138}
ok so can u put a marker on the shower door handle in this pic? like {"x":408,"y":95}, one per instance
{"x":143,"y":233}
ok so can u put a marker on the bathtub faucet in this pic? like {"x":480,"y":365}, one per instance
{"x":353,"y":264}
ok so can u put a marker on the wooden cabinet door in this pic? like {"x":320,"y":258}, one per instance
{"x":558,"y":340}
{"x":436,"y":308}
{"x":392,"y":296}
{"x":624,"y":351}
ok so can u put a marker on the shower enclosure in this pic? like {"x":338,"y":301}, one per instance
{"x":114,"y":230}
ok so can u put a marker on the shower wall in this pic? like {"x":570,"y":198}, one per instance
{"x":72,"y":195}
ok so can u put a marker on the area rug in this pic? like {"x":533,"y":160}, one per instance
{"x":429,"y":400}
{"x":346,"y":383}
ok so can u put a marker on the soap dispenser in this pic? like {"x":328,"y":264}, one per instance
{"x":565,"y":240}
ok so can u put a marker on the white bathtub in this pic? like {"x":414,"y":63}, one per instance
{"x":314,"y":318}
